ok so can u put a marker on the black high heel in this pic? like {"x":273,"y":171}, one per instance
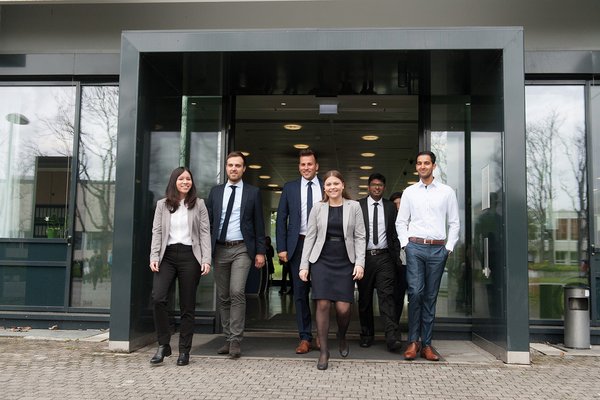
{"x":164,"y":350}
{"x":343,"y":346}
{"x":322,"y":366}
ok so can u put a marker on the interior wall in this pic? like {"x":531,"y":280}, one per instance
{"x":549,"y":24}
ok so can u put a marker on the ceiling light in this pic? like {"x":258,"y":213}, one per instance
{"x":364,"y":178}
{"x":293,"y":127}
{"x":367,"y":154}
{"x":255,"y":166}
{"x":278,"y":191}
{"x":411,"y":182}
{"x":370,"y":137}
{"x":300,"y":146}
{"x":264,"y":176}
{"x":366,"y":167}
{"x":273,"y":185}
{"x":245,"y":153}
{"x":373,"y":103}
{"x":415,"y":173}
{"x":283,"y":103}
{"x":363,"y":186}
{"x":362,"y":193}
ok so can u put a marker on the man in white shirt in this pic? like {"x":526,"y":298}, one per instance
{"x":426,"y":208}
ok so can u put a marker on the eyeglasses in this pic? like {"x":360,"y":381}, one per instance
{"x":379,"y":185}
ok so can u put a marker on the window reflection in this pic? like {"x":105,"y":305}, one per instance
{"x":36,"y":139}
{"x":556,"y":195}
{"x":94,"y":218}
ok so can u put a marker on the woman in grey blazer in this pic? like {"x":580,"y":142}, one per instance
{"x":180,"y":249}
{"x":334,"y":252}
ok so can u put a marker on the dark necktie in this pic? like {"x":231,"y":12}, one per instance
{"x":375,"y":223}
{"x":309,"y":198}
{"x":223,"y":234}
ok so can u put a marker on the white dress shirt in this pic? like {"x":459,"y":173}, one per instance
{"x":424,"y":212}
{"x":234,"y":231}
{"x":317,"y":195}
{"x":380,"y":225}
{"x":179,"y":231}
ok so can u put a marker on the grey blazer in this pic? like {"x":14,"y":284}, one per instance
{"x":354,"y":233}
{"x":199,"y":231}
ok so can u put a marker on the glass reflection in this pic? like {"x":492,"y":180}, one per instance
{"x":556,"y":195}
{"x":94,"y":218}
{"x":36,"y":140}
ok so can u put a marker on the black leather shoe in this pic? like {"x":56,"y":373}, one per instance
{"x":393,"y":345}
{"x":322,"y":365}
{"x":183,"y":359}
{"x":162,"y":352}
{"x":366,"y":341}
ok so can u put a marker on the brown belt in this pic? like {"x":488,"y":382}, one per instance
{"x":426,"y":241}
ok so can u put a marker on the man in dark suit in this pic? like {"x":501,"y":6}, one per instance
{"x":238,"y":241}
{"x":381,"y":264}
{"x":295,"y":204}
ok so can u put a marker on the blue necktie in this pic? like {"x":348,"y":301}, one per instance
{"x":223,"y":234}
{"x":309,"y":198}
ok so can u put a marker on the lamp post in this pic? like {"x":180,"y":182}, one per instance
{"x":19,"y":119}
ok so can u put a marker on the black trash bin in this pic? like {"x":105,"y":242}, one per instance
{"x":577,"y":316}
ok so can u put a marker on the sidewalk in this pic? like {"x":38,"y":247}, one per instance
{"x":78,"y":365}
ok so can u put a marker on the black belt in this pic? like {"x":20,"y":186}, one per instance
{"x":376,"y":252}
{"x":301,"y":236}
{"x":334,"y":238}
{"x":426,"y":241}
{"x":230,"y":243}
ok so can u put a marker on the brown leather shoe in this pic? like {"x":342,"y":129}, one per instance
{"x":429,"y":354}
{"x":411,"y":351}
{"x":317,"y":345}
{"x":303,"y":347}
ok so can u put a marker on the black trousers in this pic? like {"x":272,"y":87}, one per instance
{"x":400,"y":291}
{"x":380,"y":274}
{"x":178,"y":262}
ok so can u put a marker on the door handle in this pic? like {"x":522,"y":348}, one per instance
{"x":593,"y":250}
{"x":69,"y":240}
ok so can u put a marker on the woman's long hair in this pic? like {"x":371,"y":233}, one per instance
{"x":337,"y":174}
{"x":172,"y":194}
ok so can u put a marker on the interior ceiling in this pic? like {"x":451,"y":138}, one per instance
{"x":336,"y":138}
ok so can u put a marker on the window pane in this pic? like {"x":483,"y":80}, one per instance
{"x":36,"y":141}
{"x":556,"y":194}
{"x":93,"y":244}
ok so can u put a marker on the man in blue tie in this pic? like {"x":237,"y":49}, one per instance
{"x":295,"y":204}
{"x":238,"y":242}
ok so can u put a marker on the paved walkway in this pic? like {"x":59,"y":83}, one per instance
{"x":84,"y":368}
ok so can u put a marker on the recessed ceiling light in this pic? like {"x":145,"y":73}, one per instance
{"x":264,"y":176}
{"x":373,"y":103}
{"x":274,"y":185}
{"x":370,"y":137}
{"x":362,"y":193}
{"x":367,"y":154}
{"x":301,"y":146}
{"x":415,"y":173}
{"x":363,"y":186}
{"x":364,"y":178}
{"x":283,"y":103}
{"x":245,"y":153}
{"x":194,"y":103}
{"x":255,"y":166}
{"x":293,"y":127}
{"x":366,"y":167}
{"x":278,"y":191}
{"x":411,"y":182}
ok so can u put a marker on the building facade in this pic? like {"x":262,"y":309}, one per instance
{"x":101,"y":101}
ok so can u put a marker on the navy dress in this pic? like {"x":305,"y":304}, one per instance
{"x":331,"y":275}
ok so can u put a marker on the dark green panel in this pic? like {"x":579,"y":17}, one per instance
{"x":32,"y":286}
{"x":45,"y":251}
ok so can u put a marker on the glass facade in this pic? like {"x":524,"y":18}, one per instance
{"x":556,"y":195}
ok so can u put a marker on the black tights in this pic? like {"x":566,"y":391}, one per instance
{"x":342,"y":310}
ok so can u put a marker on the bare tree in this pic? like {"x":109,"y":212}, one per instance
{"x":540,"y":189}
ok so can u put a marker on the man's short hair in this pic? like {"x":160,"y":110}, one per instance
{"x":378,"y":176}
{"x":236,"y":154}
{"x":427,"y":153}
{"x":307,"y":153}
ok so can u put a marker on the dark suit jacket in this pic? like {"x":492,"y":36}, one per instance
{"x":251,"y":218}
{"x":289,"y":213}
{"x":389,"y":212}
